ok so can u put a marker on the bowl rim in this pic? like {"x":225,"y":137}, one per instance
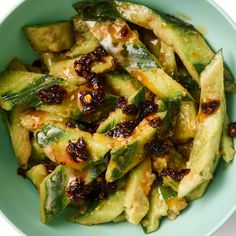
{"x":216,"y":6}
{"x":233,"y":24}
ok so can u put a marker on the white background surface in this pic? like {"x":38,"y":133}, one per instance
{"x":228,"y":229}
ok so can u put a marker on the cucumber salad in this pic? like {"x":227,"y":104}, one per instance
{"x":122,"y":117}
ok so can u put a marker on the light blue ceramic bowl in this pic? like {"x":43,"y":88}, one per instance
{"x":19,"y":201}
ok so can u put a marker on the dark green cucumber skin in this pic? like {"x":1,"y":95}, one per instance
{"x":167,"y":192}
{"x":118,"y":116}
{"x":109,"y":104}
{"x":94,"y":172}
{"x":106,"y":9}
{"x":172,"y":107}
{"x":127,"y":153}
{"x":85,"y":42}
{"x":138,"y":52}
{"x":105,"y":128}
{"x":229,"y":81}
{"x":37,"y":155}
{"x":120,"y":81}
{"x":54,"y":183}
{"x":28,"y":95}
{"x":97,"y":11}
{"x":127,"y":156}
{"x":46,"y":136}
{"x":55,"y":137}
{"x":103,"y":211}
{"x":127,"y":86}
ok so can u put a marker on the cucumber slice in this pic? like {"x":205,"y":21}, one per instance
{"x":157,"y":209}
{"x":104,"y":211}
{"x":20,"y":136}
{"x":85,"y":41}
{"x":72,"y":107}
{"x":37,"y":152}
{"x":198,"y":192}
{"x":33,"y":120}
{"x":137,"y":190}
{"x":175,"y":206}
{"x":120,"y":218}
{"x":65,"y":69}
{"x":20,"y":87}
{"x":195,"y":54}
{"x":53,"y":37}
{"x":93,"y":172}
{"x":54,"y":138}
{"x":48,"y":58}
{"x":186,"y":122}
{"x":122,"y":83}
{"x":164,"y":53}
{"x":131,"y":152}
{"x":170,"y":183}
{"x":53,"y":198}
{"x":204,"y":154}
{"x":36,"y":175}
{"x":112,"y":120}
{"x":133,"y":56}
{"x":118,"y":116}
{"x":226,"y":144}
{"x":17,"y":65}
{"x":51,"y":133}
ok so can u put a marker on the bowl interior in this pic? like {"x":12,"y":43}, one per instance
{"x":19,"y":201}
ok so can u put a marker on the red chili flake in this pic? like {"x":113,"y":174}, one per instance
{"x":232,"y":129}
{"x":130,"y":109}
{"x":91,"y":100}
{"x":95,"y":80}
{"x":99,"y":51}
{"x":70,"y":124}
{"x":50,"y":166}
{"x":84,"y":64}
{"x":210,"y":107}
{"x":152,"y":96}
{"x":91,"y":127}
{"x":148,"y":108}
{"x":173,"y":174}
{"x":124,"y":129}
{"x":77,"y":189}
{"x":52,"y":95}
{"x":98,"y":190}
{"x":124,"y":31}
{"x":122,"y":101}
{"x":22,"y":172}
{"x":114,"y":63}
{"x":156,"y":122}
{"x":157,"y":148}
{"x":37,"y":63}
{"x":78,"y":151}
